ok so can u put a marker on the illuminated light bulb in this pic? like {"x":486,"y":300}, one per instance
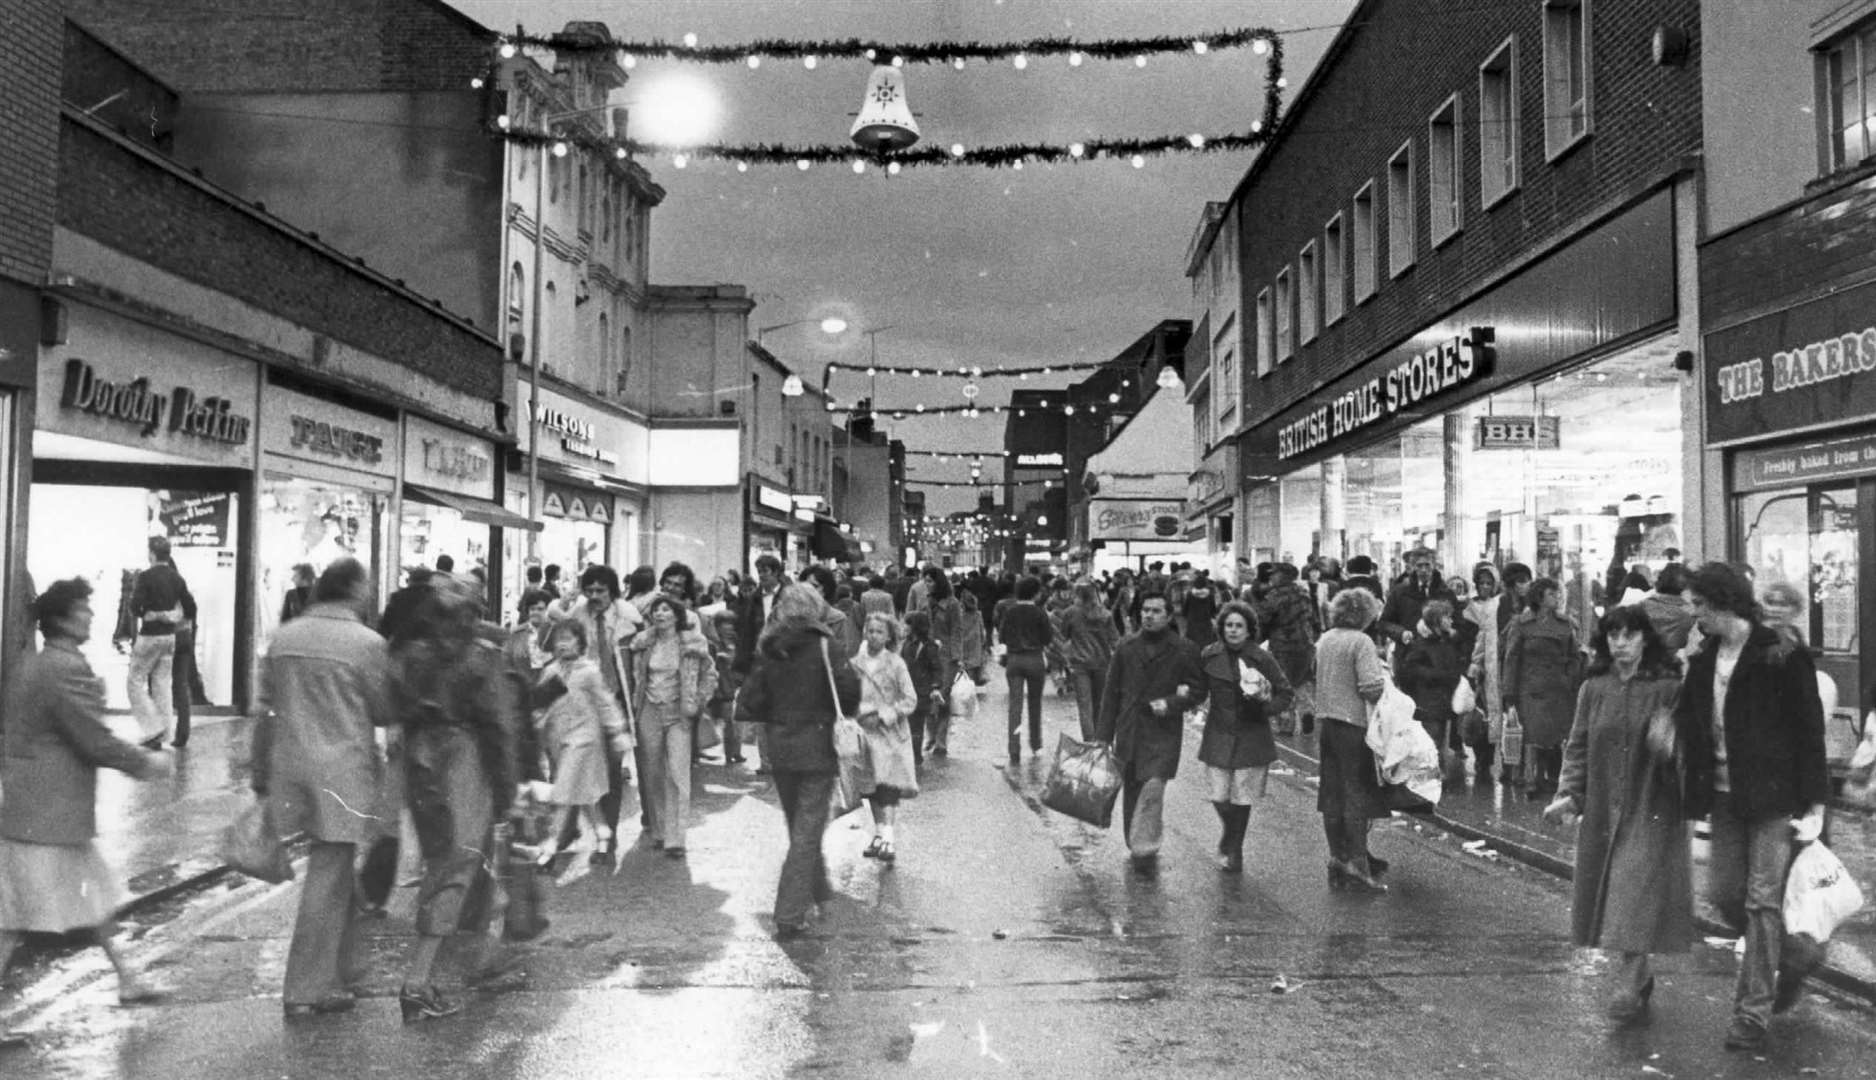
{"x":1075,"y":59}
{"x":958,"y":62}
{"x":915,"y":375}
{"x":1076,"y":149}
{"x":1260,"y":46}
{"x":690,"y":41}
{"x":1022,"y":376}
{"x":475,"y":83}
{"x":892,"y":168}
{"x":1113,"y":399}
{"x":1068,"y":410}
{"x":1021,"y":61}
{"x":1256,"y":126}
{"x":502,"y":121}
{"x":679,"y":160}
{"x":508,"y":50}
{"x":1045,"y":371}
{"x":921,"y":405}
{"x":810,"y":62}
{"x":1139,"y":162}
{"x":1200,"y":47}
{"x":1139,"y":61}
{"x":755,"y":62}
{"x":560,"y":149}
{"x":898,"y":61}
{"x":803,"y":165}
{"x":1283,"y":82}
{"x":872,"y":372}
{"x":1019,"y":165}
{"x":630,"y":61}
{"x":859,"y":167}
{"x":957,"y":149}
{"x":742,"y":166}
{"x":1196,"y":140}
{"x":619,"y":152}
{"x":872,"y":54}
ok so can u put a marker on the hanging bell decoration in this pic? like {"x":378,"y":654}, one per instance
{"x":885,"y":124}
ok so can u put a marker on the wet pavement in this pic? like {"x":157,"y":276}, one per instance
{"x":1007,"y":940}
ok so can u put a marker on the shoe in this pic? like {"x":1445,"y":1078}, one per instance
{"x":1377,"y":865}
{"x":1744,"y":1034}
{"x":1338,"y":877}
{"x":326,"y":1006}
{"x":941,"y":752}
{"x":873,"y":849}
{"x":789,"y":931}
{"x":179,"y":744}
{"x":1145,"y":866}
{"x":735,"y":759}
{"x":1624,"y":1009}
{"x":139,"y":993}
{"x":153,"y":743}
{"x":823,"y":891}
{"x":887,"y":856}
{"x":1800,"y":956}
{"x":600,"y":858}
{"x":1358,"y":878}
{"x":1232,"y":863}
{"x":674,"y":853}
{"x":425,"y":1004}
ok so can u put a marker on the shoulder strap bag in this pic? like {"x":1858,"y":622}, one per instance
{"x":846,"y":729}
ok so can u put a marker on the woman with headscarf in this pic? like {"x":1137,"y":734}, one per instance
{"x":52,"y":877}
{"x":1246,"y":687}
{"x":1541,"y":673}
{"x":458,"y":717}
{"x":673,"y":677}
{"x":797,"y":686}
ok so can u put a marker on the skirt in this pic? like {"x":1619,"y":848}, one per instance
{"x":1348,"y":785}
{"x":579,"y":773}
{"x":53,"y":888}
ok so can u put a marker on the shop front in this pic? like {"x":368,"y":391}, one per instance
{"x":139,"y":432}
{"x":448,"y":502}
{"x":771,"y":525}
{"x":19,"y":351}
{"x":1539,"y":423}
{"x":590,"y":476}
{"x":1211,"y":510}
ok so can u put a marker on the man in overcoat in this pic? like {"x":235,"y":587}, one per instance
{"x":1152,"y":680}
{"x":324,"y":688}
{"x":1751,"y":727}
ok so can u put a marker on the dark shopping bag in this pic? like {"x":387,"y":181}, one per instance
{"x":1084,"y":782}
{"x":251,"y":845}
{"x":1401,"y":798}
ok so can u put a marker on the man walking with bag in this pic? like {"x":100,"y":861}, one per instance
{"x":1751,"y":732}
{"x":1153,"y":679}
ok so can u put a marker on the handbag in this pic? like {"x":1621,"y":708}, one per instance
{"x":846,"y":734}
{"x":1084,"y":781}
{"x":251,"y":845}
{"x":1464,"y":700}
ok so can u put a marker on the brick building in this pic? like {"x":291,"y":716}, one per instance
{"x":1466,"y":263}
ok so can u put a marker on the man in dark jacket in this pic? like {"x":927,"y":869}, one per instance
{"x":158,"y":604}
{"x":1025,"y":631}
{"x":1153,"y":679}
{"x":1361,"y":576}
{"x":1751,"y":729}
{"x":1402,"y":614}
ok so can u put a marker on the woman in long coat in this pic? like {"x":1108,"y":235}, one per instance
{"x":1349,"y":678}
{"x":1541,"y":674}
{"x":796,"y":687}
{"x":580,"y":723}
{"x":1482,"y":612}
{"x":1237,"y":746}
{"x":1290,"y":625}
{"x":52,"y":878}
{"x":1634,"y":878}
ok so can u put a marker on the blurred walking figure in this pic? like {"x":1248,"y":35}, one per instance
{"x":1634,"y":871}
{"x":1153,"y":679}
{"x":1541,"y":672}
{"x":1246,"y":686}
{"x":1090,"y":635}
{"x":460,"y":719}
{"x":673,"y":677}
{"x":1287,"y":615}
{"x":581,"y":727}
{"x":325,"y":688}
{"x":1349,"y":678}
{"x":52,"y":878}
{"x":791,"y":689}
{"x":930,"y":667}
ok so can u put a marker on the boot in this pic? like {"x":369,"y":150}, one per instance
{"x":1231,"y":853}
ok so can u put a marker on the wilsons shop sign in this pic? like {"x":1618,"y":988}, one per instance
{"x":150,"y":409}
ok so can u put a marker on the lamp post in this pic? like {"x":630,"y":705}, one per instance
{"x":833,"y":324}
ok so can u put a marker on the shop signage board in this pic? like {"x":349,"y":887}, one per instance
{"x":774,"y":499}
{"x":1805,"y":463}
{"x":123,"y":382}
{"x":574,"y":432}
{"x":195,"y":520}
{"x":1517,"y":433}
{"x":300,"y":426}
{"x":1803,"y":367}
{"x":449,"y":460}
{"x":1136,"y":519}
{"x":1039,"y":461}
{"x":1437,"y":371}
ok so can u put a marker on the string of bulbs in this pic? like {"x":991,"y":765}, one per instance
{"x":1260,"y":40}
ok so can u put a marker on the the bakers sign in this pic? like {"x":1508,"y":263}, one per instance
{"x":1445,"y":367}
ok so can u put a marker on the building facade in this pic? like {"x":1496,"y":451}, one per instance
{"x":1462,"y":313}
{"x":1212,"y":373}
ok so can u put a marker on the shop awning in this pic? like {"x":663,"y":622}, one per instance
{"x":471,"y":508}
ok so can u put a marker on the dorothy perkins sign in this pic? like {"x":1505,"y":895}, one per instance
{"x":1447,"y":366}
{"x":150,"y":409}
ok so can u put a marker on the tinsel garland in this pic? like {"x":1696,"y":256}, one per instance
{"x":941,"y":52}
{"x":959,"y":373}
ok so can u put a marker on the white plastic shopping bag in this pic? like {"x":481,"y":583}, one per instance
{"x":1464,"y":700}
{"x":963,"y":697}
{"x":1819,"y":893}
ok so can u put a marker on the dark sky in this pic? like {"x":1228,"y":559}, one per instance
{"x":965,"y":265}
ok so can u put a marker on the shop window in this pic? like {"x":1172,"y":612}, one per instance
{"x":1285,"y":325}
{"x":1846,"y":82}
{"x":1225,"y":389}
{"x":604,"y":354}
{"x":1400,"y":210}
{"x":1498,"y":124}
{"x":1566,"y":74}
{"x":1204,"y":430}
{"x":1802,"y":547}
{"x":1308,"y":294}
{"x":1266,"y":333}
{"x":1444,"y":191}
{"x":1362,"y":253}
{"x":1334,"y":280}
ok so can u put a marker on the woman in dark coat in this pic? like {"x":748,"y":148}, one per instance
{"x":1245,"y":687}
{"x":1429,"y":670}
{"x":789,"y":689}
{"x":1634,"y":877}
{"x":1541,"y":672}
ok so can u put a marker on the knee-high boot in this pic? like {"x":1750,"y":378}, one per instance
{"x":1237,"y":823}
{"x":1224,"y":822}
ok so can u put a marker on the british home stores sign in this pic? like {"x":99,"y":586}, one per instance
{"x":122,"y":382}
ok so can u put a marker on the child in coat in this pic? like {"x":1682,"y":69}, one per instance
{"x":926,"y":661}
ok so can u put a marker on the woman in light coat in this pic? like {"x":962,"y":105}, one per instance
{"x":1485,"y":671}
{"x":1634,"y":876}
{"x":52,"y":877}
{"x":673,"y":677}
{"x":1541,"y":673}
{"x":887,"y":701}
{"x":579,"y":723}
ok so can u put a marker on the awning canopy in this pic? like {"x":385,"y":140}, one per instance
{"x":471,"y":508}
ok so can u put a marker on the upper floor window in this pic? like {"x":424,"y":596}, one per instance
{"x":1846,"y":80}
{"x":1400,"y":210}
{"x":1334,"y":279}
{"x":1225,"y":388}
{"x":1498,"y":124}
{"x":1286,"y":312}
{"x":1443,"y":164}
{"x":1362,"y":253}
{"x":1566,"y":74}
{"x":1266,"y":333}
{"x":605,"y":218}
{"x":517,"y":299}
{"x":605,"y":350}
{"x":1308,"y":294}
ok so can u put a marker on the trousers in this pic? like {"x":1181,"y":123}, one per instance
{"x":322,"y":959}
{"x":664,"y":736}
{"x":1089,"y":684}
{"x":152,"y":689}
{"x":806,"y":800}
{"x":1142,"y":812}
{"x":1024,"y":674}
{"x":1746,"y":868}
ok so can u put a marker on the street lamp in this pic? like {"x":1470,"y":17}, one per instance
{"x":833,"y":324}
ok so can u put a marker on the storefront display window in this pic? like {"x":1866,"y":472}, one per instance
{"x":430,"y":531}
{"x":314,"y":522}
{"x":1802,"y":546}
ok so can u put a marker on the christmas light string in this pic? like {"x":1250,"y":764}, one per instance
{"x":956,"y":53}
